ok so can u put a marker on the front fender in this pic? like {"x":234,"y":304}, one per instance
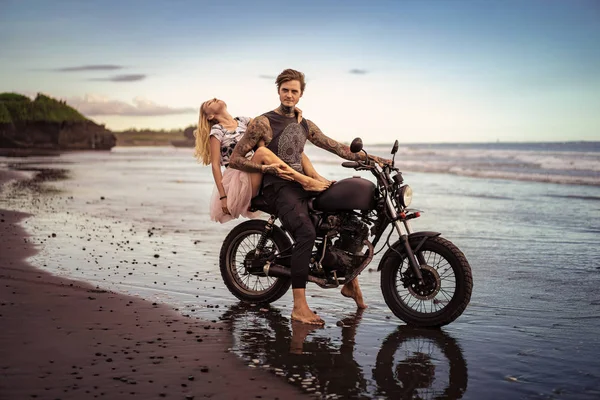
{"x":416,"y":240}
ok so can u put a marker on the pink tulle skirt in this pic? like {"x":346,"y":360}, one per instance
{"x":238,"y":189}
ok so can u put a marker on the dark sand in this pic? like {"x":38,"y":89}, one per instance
{"x":64,"y":339}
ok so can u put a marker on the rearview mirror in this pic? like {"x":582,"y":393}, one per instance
{"x":356,"y":145}
{"x":395,"y":147}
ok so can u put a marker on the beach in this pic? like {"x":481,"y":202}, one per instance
{"x":111,"y":255}
{"x":65,"y":339}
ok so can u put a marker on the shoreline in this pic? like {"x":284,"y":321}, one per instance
{"x":67,"y":339}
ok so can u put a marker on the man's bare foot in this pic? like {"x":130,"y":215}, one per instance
{"x":306,"y":316}
{"x":313,"y":185}
{"x":352,"y":290}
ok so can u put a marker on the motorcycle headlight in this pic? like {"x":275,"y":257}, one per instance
{"x":406,"y":194}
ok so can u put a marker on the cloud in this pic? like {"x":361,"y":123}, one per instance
{"x":94,"y":105}
{"x":93,"y":67}
{"x":357,"y":71}
{"x":122,"y":78}
{"x":269,"y":77}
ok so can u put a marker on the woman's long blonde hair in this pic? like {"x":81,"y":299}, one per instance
{"x":202,"y":135}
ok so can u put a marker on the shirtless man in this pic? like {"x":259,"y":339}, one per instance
{"x":285,"y":135}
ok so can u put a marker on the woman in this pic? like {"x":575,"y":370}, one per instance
{"x":217,"y":134}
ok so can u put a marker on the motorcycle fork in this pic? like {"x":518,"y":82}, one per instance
{"x":412,"y":258}
{"x":403,"y":228}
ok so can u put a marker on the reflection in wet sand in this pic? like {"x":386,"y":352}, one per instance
{"x":411,"y":363}
{"x":420,"y":363}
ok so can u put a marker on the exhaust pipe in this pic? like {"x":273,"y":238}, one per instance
{"x":278,"y":271}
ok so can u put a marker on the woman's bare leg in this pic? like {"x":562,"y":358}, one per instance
{"x":255,"y":181}
{"x":265,"y":156}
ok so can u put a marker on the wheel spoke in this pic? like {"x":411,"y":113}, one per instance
{"x":446,"y":295}
{"x":446,"y":273}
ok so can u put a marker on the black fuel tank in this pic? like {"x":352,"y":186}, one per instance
{"x":348,"y":194}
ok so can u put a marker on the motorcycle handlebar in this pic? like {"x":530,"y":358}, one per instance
{"x":359,"y":165}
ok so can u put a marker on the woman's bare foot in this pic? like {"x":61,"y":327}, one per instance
{"x":306,"y":316}
{"x":352,"y":290}
{"x":313,"y":185}
{"x":324,"y":180}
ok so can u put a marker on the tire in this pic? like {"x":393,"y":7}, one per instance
{"x":239,"y":244}
{"x":422,"y":309}
{"x":418,"y":363}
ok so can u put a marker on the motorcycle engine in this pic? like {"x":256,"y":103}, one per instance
{"x":344,"y":254}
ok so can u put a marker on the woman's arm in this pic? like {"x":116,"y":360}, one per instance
{"x":215,"y":161}
{"x":310,"y":170}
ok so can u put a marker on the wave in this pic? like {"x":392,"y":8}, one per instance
{"x":488,"y":196}
{"x":574,"y":164}
{"x":577,"y":197}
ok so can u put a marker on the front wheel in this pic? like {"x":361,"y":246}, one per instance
{"x":238,"y":251}
{"x":446,"y":288}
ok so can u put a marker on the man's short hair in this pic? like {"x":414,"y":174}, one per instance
{"x":290,"y":75}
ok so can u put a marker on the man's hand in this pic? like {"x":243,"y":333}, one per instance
{"x":380,"y":161}
{"x":282,"y":171}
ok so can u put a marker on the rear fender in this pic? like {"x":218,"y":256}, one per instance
{"x":416,"y":240}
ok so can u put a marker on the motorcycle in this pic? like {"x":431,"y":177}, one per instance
{"x":426,"y":280}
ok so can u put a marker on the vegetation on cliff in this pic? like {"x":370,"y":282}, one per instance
{"x":16,"y":108}
{"x":5,"y":117}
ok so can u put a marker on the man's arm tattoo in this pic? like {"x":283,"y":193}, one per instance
{"x":258,"y":130}
{"x":319,"y":139}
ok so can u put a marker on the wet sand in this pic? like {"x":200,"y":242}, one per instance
{"x":65,"y":339}
{"x":134,"y":222}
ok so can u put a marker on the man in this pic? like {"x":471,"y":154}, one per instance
{"x":285,"y":136}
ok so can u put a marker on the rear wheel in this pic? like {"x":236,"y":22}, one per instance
{"x":446,"y":288}
{"x":237,"y":253}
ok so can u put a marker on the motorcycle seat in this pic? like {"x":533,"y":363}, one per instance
{"x":259,"y":203}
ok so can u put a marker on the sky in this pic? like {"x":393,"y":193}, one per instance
{"x":416,"y":71}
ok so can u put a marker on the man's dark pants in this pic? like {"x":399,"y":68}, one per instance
{"x":290,"y":202}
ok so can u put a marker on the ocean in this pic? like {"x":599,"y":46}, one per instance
{"x":526,"y":215}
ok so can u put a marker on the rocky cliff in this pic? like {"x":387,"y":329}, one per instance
{"x":46,"y":123}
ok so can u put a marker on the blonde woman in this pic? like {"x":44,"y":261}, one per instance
{"x":217,"y":134}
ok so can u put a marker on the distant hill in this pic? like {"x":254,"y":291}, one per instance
{"x":149,"y":137}
{"x":47,"y":123}
{"x":188,"y":139}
